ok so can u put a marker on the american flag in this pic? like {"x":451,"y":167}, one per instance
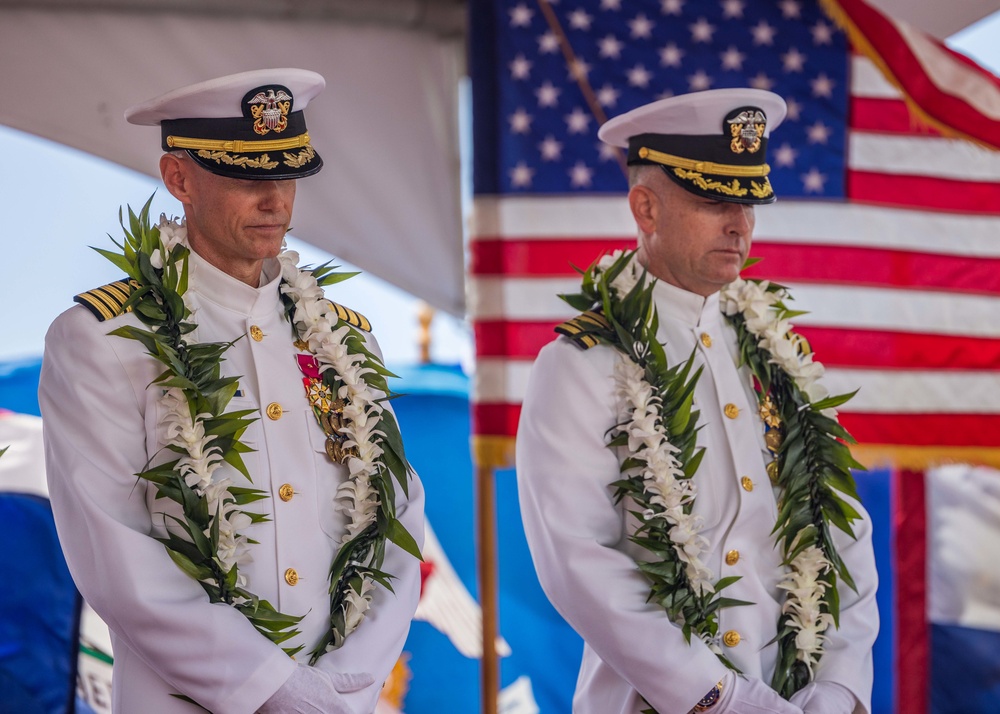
{"x":887,"y":225}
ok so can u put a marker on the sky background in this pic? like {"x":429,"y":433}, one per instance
{"x":65,"y":194}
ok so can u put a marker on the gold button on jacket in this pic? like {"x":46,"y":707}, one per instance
{"x":731,"y":638}
{"x":706,"y":339}
{"x":274,"y":411}
{"x":732,"y":557}
{"x":747,"y":483}
{"x":291,"y":576}
{"x":256,"y":333}
{"x":731,"y":410}
{"x":285,"y":492}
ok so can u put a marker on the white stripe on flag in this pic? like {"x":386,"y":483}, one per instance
{"x":501,"y":380}
{"x":916,"y":391}
{"x":493,"y":298}
{"x":535,"y":299}
{"x":791,"y":221}
{"x":552,"y":217}
{"x":897,"y":310}
{"x":923,"y":156}
{"x":868,"y":81}
{"x":879,"y":392}
{"x":815,"y":223}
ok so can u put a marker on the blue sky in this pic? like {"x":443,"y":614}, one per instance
{"x":62,"y":200}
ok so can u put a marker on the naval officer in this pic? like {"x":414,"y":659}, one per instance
{"x":179,"y":560}
{"x":697,"y":172}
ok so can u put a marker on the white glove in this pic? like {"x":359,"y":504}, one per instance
{"x":310,"y":691}
{"x":825,"y":698}
{"x":746,"y":695}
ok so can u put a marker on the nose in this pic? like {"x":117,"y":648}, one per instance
{"x":741,"y":219}
{"x":268,"y":194}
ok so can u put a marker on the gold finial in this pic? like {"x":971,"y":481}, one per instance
{"x":425,"y":314}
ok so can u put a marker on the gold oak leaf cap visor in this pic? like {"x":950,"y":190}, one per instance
{"x":712,"y":143}
{"x":248,"y":125}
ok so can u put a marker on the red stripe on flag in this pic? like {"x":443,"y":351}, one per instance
{"x":538,"y":257}
{"x":495,"y":419}
{"x":516,"y":340}
{"x":890,"y":116}
{"x":910,"y":560}
{"x":533,"y":257}
{"x":834,"y":346}
{"x":875,"y":267}
{"x":923,"y":429}
{"x":923,"y":192}
{"x":877,"y":349}
{"x":500,"y":419}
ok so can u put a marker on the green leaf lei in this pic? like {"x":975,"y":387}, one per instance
{"x":813,"y":467}
{"x":159,"y":271}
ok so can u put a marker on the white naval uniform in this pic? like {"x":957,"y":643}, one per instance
{"x":102,"y":423}
{"x":579,"y":537}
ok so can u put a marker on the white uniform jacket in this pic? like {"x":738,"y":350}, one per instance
{"x":102,"y":424}
{"x":579,"y":537}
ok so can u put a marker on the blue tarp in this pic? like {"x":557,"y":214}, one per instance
{"x":19,"y":386}
{"x":40,"y":611}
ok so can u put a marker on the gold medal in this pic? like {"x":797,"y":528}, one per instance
{"x":320,"y":395}
{"x":332,"y":422}
{"x":769,"y":411}
{"x":336,"y":451}
{"x":772,"y":471}
{"x":773,"y":439}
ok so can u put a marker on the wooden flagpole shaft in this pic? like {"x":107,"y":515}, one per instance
{"x":487,"y":527}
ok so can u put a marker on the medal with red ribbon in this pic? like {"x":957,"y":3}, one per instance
{"x":329,"y":412}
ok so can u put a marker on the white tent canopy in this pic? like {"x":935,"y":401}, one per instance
{"x":388,"y":199}
{"x":387,"y":125}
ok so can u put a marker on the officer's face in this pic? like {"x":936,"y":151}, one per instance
{"x":235,"y":224}
{"x":695,"y":243}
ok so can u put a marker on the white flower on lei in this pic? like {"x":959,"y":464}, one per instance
{"x":200,"y":460}
{"x":805,"y":596}
{"x":774,"y":334}
{"x":356,"y":606}
{"x":172,"y":232}
{"x":627,"y":278}
{"x":231,"y":544}
{"x":663,"y":478}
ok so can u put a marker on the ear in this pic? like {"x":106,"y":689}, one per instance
{"x":174,"y":174}
{"x":644,"y":204}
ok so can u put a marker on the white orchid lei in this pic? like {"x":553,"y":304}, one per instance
{"x":658,"y":433}
{"x":813,"y":471}
{"x":208,"y":543}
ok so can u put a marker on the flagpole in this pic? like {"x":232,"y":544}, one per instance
{"x":487,"y":532}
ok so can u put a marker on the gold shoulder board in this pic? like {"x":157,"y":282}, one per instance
{"x":355,"y":319}
{"x":581,"y":328}
{"x":108,"y":301}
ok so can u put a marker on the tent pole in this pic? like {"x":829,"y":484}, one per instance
{"x":490,"y":673}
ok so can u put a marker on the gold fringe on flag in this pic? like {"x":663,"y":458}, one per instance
{"x":494,"y":452}
{"x":920,"y":458}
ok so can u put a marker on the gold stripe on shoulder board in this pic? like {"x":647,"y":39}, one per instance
{"x":108,"y":301}
{"x":579,"y":328}
{"x":351,"y":317}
